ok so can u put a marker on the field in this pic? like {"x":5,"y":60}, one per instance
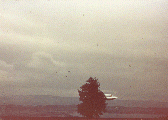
{"x":71,"y":111}
{"x":65,"y":107}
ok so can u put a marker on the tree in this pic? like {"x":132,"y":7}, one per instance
{"x":93,"y":99}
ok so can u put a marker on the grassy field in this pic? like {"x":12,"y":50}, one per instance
{"x":69,"y":111}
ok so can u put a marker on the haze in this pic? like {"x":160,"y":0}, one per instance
{"x":52,"y":47}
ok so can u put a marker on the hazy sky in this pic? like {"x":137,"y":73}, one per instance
{"x":123,"y":43}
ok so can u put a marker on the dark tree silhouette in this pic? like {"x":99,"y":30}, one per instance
{"x":93,"y":99}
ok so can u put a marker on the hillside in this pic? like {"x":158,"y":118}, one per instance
{"x":56,"y":100}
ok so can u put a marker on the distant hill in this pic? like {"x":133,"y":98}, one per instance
{"x":138,"y":103}
{"x":39,"y":100}
{"x":56,"y":100}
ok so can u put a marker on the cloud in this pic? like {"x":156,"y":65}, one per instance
{"x":123,"y":44}
{"x":44,"y":61}
{"x":46,"y":28}
{"x":4,"y":66}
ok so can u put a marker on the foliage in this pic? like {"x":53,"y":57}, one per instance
{"x":93,"y":99}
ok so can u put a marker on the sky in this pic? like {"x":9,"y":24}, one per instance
{"x":51,"y":47}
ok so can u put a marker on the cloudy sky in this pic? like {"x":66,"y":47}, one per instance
{"x":51,"y":47}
